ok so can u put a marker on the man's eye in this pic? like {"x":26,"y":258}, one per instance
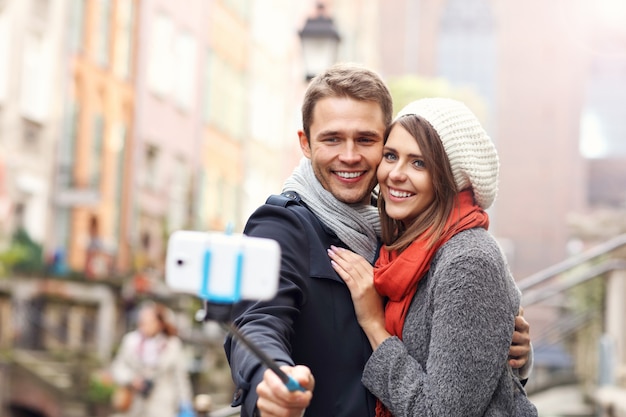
{"x":365,"y":140}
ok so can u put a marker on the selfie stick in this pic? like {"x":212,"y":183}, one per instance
{"x":290,"y":383}
{"x":219,"y":312}
{"x":218,"y":308}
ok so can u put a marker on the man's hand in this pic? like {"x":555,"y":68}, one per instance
{"x":275,"y":400}
{"x":520,"y":346}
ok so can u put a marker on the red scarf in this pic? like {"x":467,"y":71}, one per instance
{"x":396,"y":276}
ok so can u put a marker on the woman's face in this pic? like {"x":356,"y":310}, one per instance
{"x":405,"y":182}
{"x":148,"y":323}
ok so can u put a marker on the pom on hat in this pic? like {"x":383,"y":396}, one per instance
{"x":472,"y":154}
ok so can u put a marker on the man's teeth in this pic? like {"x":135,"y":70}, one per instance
{"x":349,"y":174}
{"x":400,"y":194}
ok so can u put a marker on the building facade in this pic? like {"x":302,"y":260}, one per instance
{"x":32,"y":40}
{"x":93,"y":151}
{"x":167,"y":135}
{"x":532,"y":77}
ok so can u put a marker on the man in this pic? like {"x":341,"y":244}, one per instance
{"x":311,"y":321}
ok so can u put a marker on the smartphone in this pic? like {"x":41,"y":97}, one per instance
{"x":222,"y":267}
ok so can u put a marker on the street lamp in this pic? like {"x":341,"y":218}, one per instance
{"x":320,"y":43}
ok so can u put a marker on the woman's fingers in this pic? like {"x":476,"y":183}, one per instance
{"x":349,"y":265}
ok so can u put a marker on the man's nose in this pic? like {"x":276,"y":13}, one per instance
{"x":350,"y":153}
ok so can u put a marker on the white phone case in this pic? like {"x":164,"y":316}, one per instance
{"x":222,"y":267}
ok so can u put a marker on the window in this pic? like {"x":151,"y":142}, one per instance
{"x":6,"y":324}
{"x":467,"y":47}
{"x":202,"y":215}
{"x":178,"y":190}
{"x":62,"y":231}
{"x":118,"y":147}
{"x":77,"y":24}
{"x":227,"y":98}
{"x":104,"y":32}
{"x":603,"y":128}
{"x":240,"y":7}
{"x":96,"y":151}
{"x":68,"y":145}
{"x":184,"y":80}
{"x":206,"y":91}
{"x":35,"y":85}
{"x":173,"y":61}
{"x":31,"y":133}
{"x":124,"y":38}
{"x":19,"y":212}
{"x":160,"y":67}
{"x":40,"y":11}
{"x":5,"y":46}
{"x":151,"y":166}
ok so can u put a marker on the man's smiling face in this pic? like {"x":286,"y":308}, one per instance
{"x":345,"y":146}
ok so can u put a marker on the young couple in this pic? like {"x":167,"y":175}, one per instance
{"x":433,"y":327}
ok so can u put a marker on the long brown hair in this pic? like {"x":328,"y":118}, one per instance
{"x":430,"y":223}
{"x":163,"y":315}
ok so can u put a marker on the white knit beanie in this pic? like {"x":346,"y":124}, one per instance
{"x":472,"y":155}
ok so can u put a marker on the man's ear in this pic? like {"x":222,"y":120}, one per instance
{"x":305,"y":145}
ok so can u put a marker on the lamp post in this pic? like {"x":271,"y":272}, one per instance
{"x":320,"y":43}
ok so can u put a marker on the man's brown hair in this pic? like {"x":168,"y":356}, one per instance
{"x":346,"y":80}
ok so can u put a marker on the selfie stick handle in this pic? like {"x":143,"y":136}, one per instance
{"x":218,"y":308}
{"x":221,"y":313}
{"x":290,"y":383}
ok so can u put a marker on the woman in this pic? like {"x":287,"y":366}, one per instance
{"x":441,"y":341}
{"x":151,"y":362}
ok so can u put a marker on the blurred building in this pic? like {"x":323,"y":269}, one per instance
{"x":274,"y":93}
{"x":32,"y":42}
{"x":538,"y":72}
{"x":91,"y":196}
{"x":167,"y":137}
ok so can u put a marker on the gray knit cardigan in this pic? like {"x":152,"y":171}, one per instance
{"x":452,"y":360}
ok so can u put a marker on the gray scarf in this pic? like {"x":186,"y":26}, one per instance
{"x":357,"y":225}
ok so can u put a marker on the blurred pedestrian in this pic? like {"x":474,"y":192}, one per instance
{"x":151,"y":364}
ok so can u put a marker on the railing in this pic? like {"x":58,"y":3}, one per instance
{"x":568,"y":325}
{"x":536,"y":296}
{"x":572,"y":262}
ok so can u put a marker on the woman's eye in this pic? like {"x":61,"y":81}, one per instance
{"x":419,"y":163}
{"x":389,"y":156}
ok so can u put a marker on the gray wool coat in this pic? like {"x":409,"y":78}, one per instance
{"x":452,"y":360}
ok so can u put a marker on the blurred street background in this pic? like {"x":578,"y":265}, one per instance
{"x":122,"y":121}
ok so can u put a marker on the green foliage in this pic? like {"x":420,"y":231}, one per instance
{"x":23,"y":255}
{"x":588,"y":296}
{"x":100,"y":388}
{"x":407,"y":88}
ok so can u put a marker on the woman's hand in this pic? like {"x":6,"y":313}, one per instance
{"x":358,"y":275}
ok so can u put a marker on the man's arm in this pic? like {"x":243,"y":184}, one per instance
{"x":269,"y":324}
{"x":521,"y":351}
